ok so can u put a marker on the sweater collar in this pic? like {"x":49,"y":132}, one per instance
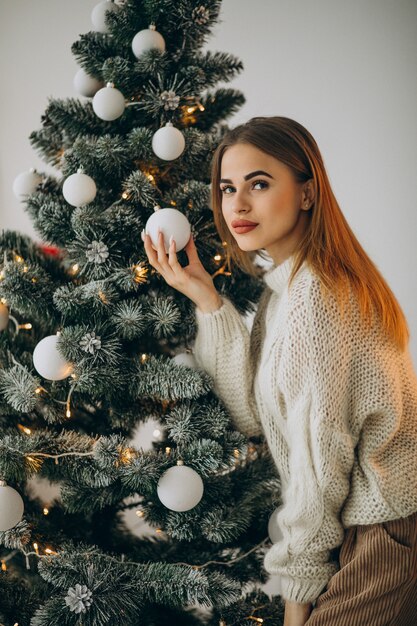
{"x":278,"y":275}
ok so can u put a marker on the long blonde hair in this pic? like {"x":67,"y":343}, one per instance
{"x":329,"y":246}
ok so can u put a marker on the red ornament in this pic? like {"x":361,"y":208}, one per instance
{"x":50,"y":250}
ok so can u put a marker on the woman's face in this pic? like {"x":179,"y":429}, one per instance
{"x":258,"y":188}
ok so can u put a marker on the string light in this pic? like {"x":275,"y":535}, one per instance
{"x":3,"y":566}
{"x":236,"y":453}
{"x":140,"y":273}
{"x":139,"y":513}
{"x":125,"y":195}
{"x":143,"y":358}
{"x":218,"y":257}
{"x":168,"y":450}
{"x":24,"y":429}
{"x":36,"y":548}
{"x":75,"y":268}
{"x":45,"y":510}
{"x":27,"y":326}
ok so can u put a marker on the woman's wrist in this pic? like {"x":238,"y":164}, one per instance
{"x":211,"y":305}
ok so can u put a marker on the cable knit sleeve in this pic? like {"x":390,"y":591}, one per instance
{"x":222,"y":349}
{"x":314,"y":386}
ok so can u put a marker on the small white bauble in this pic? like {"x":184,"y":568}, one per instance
{"x":180,"y":488}
{"x":4,"y":316}
{"x":48,"y":361}
{"x":274,"y":531}
{"x":25,"y":183}
{"x":185,"y":358}
{"x":168,"y":142}
{"x":98,"y":15}
{"x":79,"y":189}
{"x":169,"y":222}
{"x":86,"y":85}
{"x":109,"y":103}
{"x":147,"y":39}
{"x":11,"y":506}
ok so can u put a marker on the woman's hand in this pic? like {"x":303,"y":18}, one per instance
{"x":193,"y":280}
{"x":296,"y":614}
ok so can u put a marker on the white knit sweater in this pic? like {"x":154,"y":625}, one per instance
{"x":338,"y":408}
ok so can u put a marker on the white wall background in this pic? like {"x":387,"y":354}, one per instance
{"x":345,"y":70}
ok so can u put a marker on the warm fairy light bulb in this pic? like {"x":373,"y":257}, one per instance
{"x":45,"y":510}
{"x":34,"y":280}
{"x":201,"y":107}
{"x":143,"y":357}
{"x":18,"y":258}
{"x":125,"y":195}
{"x":38,"y":390}
{"x":159,"y":531}
{"x":3,"y":566}
{"x":218,"y":257}
{"x":236,"y":452}
{"x":25,"y":268}
{"x":36,"y":547}
{"x":49,"y":551}
{"x":139,"y":513}
{"x":26,"y":430}
{"x":68,"y":413}
{"x":74,"y":376}
{"x":167,"y":450}
{"x":150,"y":177}
{"x":27,"y":326}
{"x":75,"y":268}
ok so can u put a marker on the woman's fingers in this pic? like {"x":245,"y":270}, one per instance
{"x":191,"y":251}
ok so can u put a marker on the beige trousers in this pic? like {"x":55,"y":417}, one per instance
{"x":376,"y":584}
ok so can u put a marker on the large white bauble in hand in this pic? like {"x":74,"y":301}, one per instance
{"x":180,"y":488}
{"x":25,"y":183}
{"x":48,"y":361}
{"x":109,"y":103}
{"x":185,"y":358}
{"x":98,"y":15}
{"x":79,"y":189}
{"x":86,"y":85}
{"x":168,"y":142}
{"x":147,"y":39}
{"x":171,"y":222}
{"x":274,"y":531}
{"x":11,"y":506}
{"x":4,"y":316}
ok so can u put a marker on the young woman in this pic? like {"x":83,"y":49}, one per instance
{"x":325,"y":374}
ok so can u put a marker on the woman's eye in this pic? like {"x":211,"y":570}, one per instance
{"x":263,"y":184}
{"x":226,"y":190}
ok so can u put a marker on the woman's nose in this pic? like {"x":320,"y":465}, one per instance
{"x":240,"y":202}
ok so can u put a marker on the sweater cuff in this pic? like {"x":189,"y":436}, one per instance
{"x":302,"y":591}
{"x":220,"y":324}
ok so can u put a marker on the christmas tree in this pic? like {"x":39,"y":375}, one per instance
{"x":94,"y":343}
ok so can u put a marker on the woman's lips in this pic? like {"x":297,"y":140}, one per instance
{"x":244,"y":229}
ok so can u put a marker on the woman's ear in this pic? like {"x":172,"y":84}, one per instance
{"x":308,"y":195}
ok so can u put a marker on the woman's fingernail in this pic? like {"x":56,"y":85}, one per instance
{"x":171,"y":239}
{"x":142,"y":235}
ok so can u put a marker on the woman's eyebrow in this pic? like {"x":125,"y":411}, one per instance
{"x":249,"y":176}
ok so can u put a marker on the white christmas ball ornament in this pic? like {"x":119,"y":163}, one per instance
{"x":147,"y":39}
{"x":79,"y":189}
{"x":274,"y":531}
{"x":185,"y":358}
{"x":48,"y":361}
{"x":11,"y":506}
{"x":4,"y":316}
{"x":170,"y":222}
{"x":168,"y":142}
{"x":109,"y":103}
{"x":25,"y":183}
{"x":98,"y":15}
{"x":180,"y":488}
{"x":86,"y":85}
